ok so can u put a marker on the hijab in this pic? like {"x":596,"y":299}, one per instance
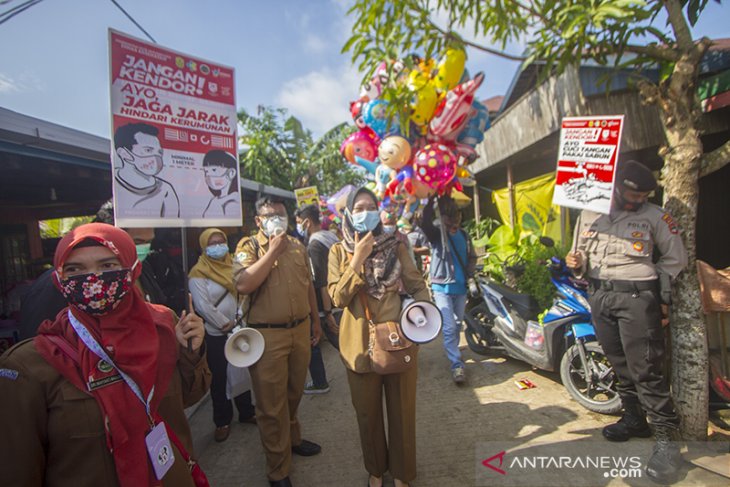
{"x":382,"y":267}
{"x":140,"y":339}
{"x":217,"y":270}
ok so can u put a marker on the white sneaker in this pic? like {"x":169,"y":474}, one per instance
{"x":310,"y":388}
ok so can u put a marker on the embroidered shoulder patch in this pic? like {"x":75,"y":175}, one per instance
{"x":9,"y":374}
{"x":241,"y":256}
{"x":670,"y":223}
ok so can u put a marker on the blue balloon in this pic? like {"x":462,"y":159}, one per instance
{"x":473,"y":133}
{"x":374,"y":114}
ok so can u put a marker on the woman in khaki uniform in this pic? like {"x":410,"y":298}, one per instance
{"x":369,"y":261}
{"x":69,"y":417}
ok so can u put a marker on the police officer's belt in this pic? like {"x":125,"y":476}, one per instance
{"x":291,"y":324}
{"x":624,"y":286}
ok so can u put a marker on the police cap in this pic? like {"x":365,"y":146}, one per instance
{"x":634,"y":175}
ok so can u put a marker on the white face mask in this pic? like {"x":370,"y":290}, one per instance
{"x":274,"y":225}
{"x":389,"y":228}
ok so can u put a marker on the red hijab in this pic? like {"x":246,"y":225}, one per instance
{"x":140,"y":339}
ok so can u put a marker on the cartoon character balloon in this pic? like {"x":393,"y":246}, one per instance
{"x":363,"y":144}
{"x":394,"y":151}
{"x":375,"y":116}
{"x":478,"y":122}
{"x":435,"y":166}
{"x":453,"y":112}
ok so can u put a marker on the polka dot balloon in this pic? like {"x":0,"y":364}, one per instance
{"x":435,"y":167}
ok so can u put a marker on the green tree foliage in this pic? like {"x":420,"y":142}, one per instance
{"x":559,"y":34}
{"x":280,"y":152}
{"x":58,"y":227}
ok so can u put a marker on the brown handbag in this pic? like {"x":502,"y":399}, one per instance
{"x":389,"y":350}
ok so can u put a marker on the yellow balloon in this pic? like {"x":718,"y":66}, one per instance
{"x":450,"y":69}
{"x":425,"y":97}
{"x":460,"y":198}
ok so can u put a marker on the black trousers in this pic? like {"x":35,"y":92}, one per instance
{"x":629,"y":329}
{"x":222,"y":407}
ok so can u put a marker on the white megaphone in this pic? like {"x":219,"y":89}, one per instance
{"x":420,"y":321}
{"x":244,"y":347}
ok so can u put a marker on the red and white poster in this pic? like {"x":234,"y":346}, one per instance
{"x":174,"y":143}
{"x":589,"y":148}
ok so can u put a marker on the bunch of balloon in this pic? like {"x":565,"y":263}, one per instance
{"x":445,"y":125}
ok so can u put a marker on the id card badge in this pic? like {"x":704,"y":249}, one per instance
{"x":160,"y":450}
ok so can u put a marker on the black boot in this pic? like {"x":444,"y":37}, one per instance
{"x":632,"y":424}
{"x":665,"y":461}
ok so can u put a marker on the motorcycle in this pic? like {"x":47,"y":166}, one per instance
{"x":500,"y":319}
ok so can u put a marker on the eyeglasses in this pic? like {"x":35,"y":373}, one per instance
{"x":272,"y":215}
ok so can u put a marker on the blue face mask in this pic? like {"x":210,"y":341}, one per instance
{"x":217,"y":251}
{"x":365,"y":221}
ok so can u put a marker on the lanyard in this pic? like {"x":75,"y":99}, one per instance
{"x":94,"y":346}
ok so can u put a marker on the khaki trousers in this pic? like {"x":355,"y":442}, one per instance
{"x":278,"y":383}
{"x":398,"y":454}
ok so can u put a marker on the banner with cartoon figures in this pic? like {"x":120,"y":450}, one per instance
{"x":432,"y":154}
{"x":307,"y":196}
{"x":174,"y":144}
{"x":589,"y":148}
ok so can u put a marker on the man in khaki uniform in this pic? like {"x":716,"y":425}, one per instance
{"x":615,"y":252}
{"x":274,"y":270}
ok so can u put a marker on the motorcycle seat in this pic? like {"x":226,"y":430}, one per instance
{"x":524,"y":301}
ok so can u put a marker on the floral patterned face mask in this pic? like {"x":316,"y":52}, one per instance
{"x":97,"y":293}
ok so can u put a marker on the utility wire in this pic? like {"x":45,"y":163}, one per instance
{"x":133,"y":21}
{"x":18,"y":9}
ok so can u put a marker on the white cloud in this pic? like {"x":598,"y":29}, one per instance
{"x":321,"y":98}
{"x":314,"y":44}
{"x":25,"y":82}
{"x":8,"y":85}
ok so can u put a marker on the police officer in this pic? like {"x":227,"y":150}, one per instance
{"x":274,"y":270}
{"x":615,"y":252}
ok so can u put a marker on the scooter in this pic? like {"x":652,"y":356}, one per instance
{"x":499,"y":319}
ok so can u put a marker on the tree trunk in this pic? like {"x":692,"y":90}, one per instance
{"x":680,"y":113}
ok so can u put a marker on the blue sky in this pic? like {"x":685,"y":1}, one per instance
{"x":54,"y":56}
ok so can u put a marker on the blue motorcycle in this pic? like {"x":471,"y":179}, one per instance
{"x":499,"y":319}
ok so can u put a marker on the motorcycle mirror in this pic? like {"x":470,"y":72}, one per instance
{"x":547,"y":241}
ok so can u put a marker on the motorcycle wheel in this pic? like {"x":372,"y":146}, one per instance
{"x":600,"y":396}
{"x":478,"y":332}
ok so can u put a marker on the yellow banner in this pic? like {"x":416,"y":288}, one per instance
{"x":534,"y":211}
{"x":306,"y":196}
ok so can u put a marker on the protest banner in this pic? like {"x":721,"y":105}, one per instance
{"x":588,"y":153}
{"x":307,"y":196}
{"x":174,"y":145}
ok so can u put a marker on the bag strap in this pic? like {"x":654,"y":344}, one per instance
{"x":456,"y":252}
{"x":244,"y":318}
{"x":65,"y":347}
{"x":364,"y":301}
{"x":178,"y":444}
{"x":220,"y":300}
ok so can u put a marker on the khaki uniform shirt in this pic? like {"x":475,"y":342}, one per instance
{"x":53,"y":433}
{"x":620,"y":246}
{"x":344,"y":285}
{"x":284,"y":295}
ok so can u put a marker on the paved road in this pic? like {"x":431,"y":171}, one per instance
{"x":457,"y":429}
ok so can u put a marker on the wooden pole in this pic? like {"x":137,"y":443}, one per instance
{"x":511,"y":191}
{"x":477,"y":213}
